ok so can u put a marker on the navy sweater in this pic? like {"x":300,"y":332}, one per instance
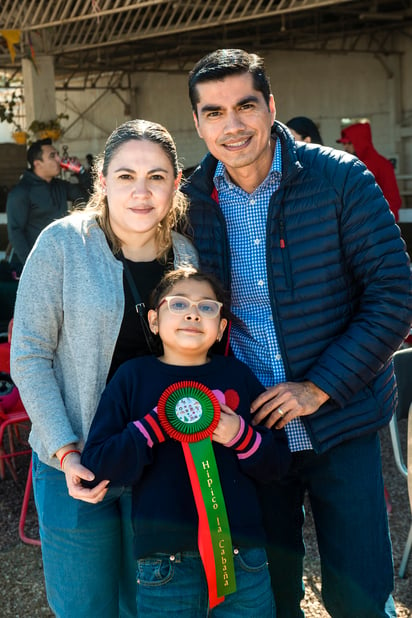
{"x":164,"y":513}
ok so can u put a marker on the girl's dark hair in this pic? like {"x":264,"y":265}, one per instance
{"x":190,"y":274}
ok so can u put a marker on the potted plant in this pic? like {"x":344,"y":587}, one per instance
{"x":42,"y":129}
{"x":8,"y":114}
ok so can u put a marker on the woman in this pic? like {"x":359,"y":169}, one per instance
{"x":75,"y":323}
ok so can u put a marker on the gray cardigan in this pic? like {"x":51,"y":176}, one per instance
{"x":68,"y":312}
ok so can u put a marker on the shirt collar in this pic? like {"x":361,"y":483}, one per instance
{"x":222,"y":180}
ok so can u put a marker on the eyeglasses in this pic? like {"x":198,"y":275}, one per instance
{"x":180,"y":305}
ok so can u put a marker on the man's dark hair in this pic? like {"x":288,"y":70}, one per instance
{"x":34,"y":153}
{"x":224,"y":62}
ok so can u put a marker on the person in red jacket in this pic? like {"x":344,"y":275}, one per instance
{"x":357,"y":140}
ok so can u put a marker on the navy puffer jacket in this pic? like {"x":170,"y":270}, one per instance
{"x":339,"y":279}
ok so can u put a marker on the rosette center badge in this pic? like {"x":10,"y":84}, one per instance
{"x":189,"y":410}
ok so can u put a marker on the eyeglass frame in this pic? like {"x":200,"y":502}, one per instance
{"x":193,"y":303}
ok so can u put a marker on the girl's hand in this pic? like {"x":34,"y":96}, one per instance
{"x":75,"y":473}
{"x":228,"y":426}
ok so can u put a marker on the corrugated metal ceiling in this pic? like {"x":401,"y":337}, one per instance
{"x":95,"y":36}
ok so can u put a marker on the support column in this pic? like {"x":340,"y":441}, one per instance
{"x":39,"y":89}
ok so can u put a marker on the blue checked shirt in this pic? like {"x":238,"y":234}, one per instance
{"x":255,"y":343}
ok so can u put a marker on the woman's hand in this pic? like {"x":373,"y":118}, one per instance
{"x":228,"y":426}
{"x":75,"y":473}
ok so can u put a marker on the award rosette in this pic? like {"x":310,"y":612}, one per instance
{"x":189,"y":412}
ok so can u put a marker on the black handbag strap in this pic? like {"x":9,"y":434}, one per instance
{"x":138,"y":304}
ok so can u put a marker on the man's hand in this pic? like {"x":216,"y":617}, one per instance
{"x":283,"y":402}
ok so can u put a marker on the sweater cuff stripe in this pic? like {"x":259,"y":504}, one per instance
{"x":239,"y":434}
{"x":246,"y":439}
{"x":155,"y":427}
{"x":252,"y":450}
{"x":143,"y":431}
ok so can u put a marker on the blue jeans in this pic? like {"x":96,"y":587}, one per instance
{"x":176,"y":586}
{"x":345,"y":489}
{"x":87,"y":549}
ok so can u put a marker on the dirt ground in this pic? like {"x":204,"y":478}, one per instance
{"x":21,"y":577}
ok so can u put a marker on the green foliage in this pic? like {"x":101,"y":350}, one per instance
{"x":7,"y":110}
{"x":47,"y":125}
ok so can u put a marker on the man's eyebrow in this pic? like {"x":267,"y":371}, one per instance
{"x":251,"y":98}
{"x":209,"y":108}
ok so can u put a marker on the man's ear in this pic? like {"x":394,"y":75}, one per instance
{"x":272,"y":107}
{"x":196,"y":121}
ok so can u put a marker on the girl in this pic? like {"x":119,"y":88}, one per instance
{"x":129,"y":443}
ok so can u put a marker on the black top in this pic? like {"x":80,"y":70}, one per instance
{"x":131,"y":341}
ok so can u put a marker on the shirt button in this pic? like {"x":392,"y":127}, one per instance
{"x":252,"y":202}
{"x":278,"y":357}
{"x":261,"y":283}
{"x":257,"y":241}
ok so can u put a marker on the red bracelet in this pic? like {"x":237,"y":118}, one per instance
{"x":73,"y":450}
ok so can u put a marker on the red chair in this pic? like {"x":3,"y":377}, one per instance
{"x":23,"y":512}
{"x":13,"y":417}
{"x":9,"y":425}
{"x":12,"y":414}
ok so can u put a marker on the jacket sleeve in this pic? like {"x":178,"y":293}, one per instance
{"x":379,"y":277}
{"x":18,"y":208}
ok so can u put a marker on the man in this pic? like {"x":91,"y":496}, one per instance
{"x":38,"y":198}
{"x":320,"y":282}
{"x":357,"y":140}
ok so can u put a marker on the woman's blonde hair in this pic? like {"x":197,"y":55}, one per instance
{"x":139,"y":130}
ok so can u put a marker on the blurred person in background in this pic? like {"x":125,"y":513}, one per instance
{"x":39,"y":197}
{"x":357,"y":140}
{"x":304,"y":130}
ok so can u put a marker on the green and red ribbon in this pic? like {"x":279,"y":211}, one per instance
{"x":189,"y":412}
